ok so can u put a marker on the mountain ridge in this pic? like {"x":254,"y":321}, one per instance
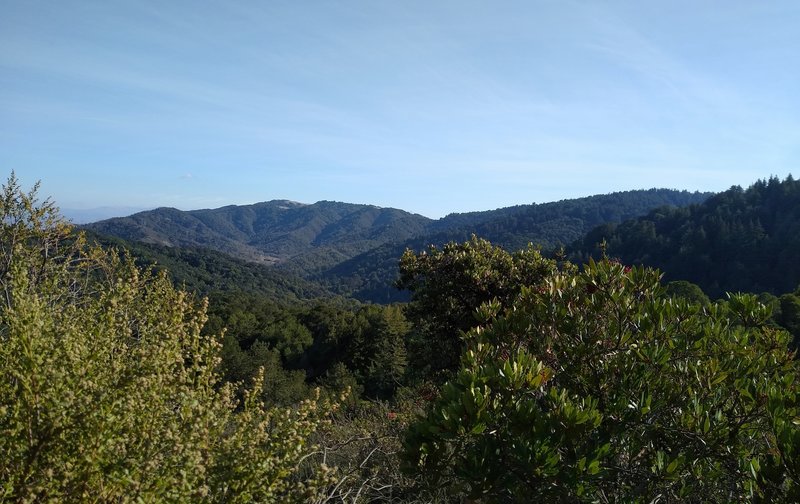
{"x":546,"y":225}
{"x":270,"y":232}
{"x":738,"y":240}
{"x":354,"y":248}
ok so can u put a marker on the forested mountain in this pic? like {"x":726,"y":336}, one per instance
{"x":354,"y":249}
{"x":312,"y":236}
{"x":558,"y":223}
{"x":207,"y":271}
{"x":738,"y":240}
{"x":369,"y":276}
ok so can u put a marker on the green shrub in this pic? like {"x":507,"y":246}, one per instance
{"x":595,"y":387}
{"x":109,"y":391}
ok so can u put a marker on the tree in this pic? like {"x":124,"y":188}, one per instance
{"x":737,"y":240}
{"x":280,"y":386}
{"x":595,"y":387}
{"x":109,"y":390}
{"x":448,"y":285}
{"x":790,"y":315}
{"x":687,"y":291}
{"x":377,"y":351}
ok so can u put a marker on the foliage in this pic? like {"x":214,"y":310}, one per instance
{"x":377,"y":351}
{"x":368,"y":341}
{"x":109,"y":389}
{"x":449,"y":284}
{"x":279,"y":386}
{"x":736,"y":241}
{"x":368,"y":276}
{"x":299,"y":343}
{"x":595,"y":387}
{"x":208,"y":272}
{"x":789,"y":317}
{"x":687,"y":291}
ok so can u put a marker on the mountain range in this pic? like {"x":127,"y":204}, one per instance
{"x":352,"y":249}
{"x":737,"y":240}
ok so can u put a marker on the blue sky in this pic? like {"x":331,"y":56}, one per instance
{"x":429,"y":106}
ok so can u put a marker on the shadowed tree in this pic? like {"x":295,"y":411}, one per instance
{"x":449,"y":284}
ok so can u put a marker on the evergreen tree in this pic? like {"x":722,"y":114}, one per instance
{"x":449,"y":284}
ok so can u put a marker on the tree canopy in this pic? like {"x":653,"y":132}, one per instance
{"x":447,"y":286}
{"x":740,"y":240}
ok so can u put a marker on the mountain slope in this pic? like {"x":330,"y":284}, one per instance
{"x":551,"y":225}
{"x":206,"y":271}
{"x":370,"y":275}
{"x":353,"y":249}
{"x":738,"y":240}
{"x":312,"y":236}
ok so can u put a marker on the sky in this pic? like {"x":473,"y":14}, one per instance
{"x":429,"y":106}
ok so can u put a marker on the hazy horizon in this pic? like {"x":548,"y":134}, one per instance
{"x":89,"y":215}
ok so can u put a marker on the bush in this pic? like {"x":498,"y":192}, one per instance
{"x":109,"y":390}
{"x":594,"y":386}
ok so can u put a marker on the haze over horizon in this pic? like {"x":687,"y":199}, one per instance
{"x":428,"y":107}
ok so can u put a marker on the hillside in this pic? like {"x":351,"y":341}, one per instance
{"x":313,"y":236}
{"x":353,"y":249}
{"x":370,"y":276}
{"x":738,"y":240}
{"x":205,"y":271}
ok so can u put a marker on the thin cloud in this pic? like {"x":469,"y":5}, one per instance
{"x":624,"y":45}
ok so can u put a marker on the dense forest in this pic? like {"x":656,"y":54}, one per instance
{"x":147,"y":372}
{"x":738,"y":240}
{"x":370,"y":276}
{"x":207,"y":271}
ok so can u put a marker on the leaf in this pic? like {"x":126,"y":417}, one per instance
{"x":673,"y":466}
{"x":755,"y":467}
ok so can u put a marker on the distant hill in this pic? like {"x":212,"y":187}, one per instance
{"x":353,"y":249}
{"x":311,"y":236}
{"x":369,"y":276}
{"x":738,"y":240}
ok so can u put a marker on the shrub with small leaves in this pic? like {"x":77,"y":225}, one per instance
{"x":109,"y":391}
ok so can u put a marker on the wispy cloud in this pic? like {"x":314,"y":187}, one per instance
{"x":325,"y":101}
{"x":621,"y":43}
